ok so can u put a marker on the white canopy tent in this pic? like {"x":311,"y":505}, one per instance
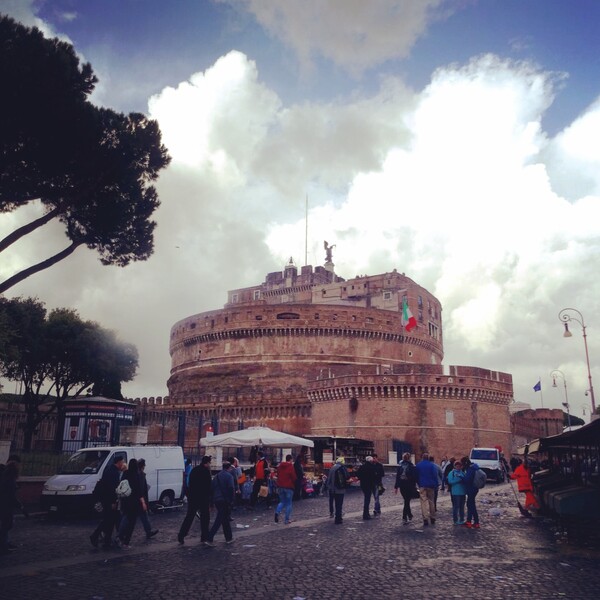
{"x":255,"y":436}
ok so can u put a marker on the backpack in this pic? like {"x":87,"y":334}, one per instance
{"x":123,"y":490}
{"x":403,"y":473}
{"x":479,"y":479}
{"x":339,"y":479}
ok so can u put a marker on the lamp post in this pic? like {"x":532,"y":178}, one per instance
{"x":557,"y":373}
{"x":566,"y":317}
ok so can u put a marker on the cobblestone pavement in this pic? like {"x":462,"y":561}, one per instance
{"x":510,"y":557}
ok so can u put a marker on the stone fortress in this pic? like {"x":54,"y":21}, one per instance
{"x":310,"y":353}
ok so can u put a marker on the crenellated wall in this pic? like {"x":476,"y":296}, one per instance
{"x":308,"y":352}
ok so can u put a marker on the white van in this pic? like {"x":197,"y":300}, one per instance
{"x":488,"y":459}
{"x":71,"y":489}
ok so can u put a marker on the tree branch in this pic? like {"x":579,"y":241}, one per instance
{"x":16,"y":235}
{"x":17,"y":278}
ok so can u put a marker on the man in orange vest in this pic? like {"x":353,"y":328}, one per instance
{"x":523,"y":476}
{"x":261,"y":472}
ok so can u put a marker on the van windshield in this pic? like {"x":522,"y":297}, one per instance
{"x":85,"y":461}
{"x":484,"y":454}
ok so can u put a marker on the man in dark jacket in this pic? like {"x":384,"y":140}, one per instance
{"x":9,"y":502}
{"x":299,"y":477}
{"x":367,"y":475}
{"x":222,"y":493}
{"x":379,"y":475}
{"x":150,"y":533}
{"x":406,"y":482}
{"x":198,"y":500}
{"x":108,"y":498}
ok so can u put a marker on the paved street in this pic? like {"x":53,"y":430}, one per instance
{"x":510,"y":557}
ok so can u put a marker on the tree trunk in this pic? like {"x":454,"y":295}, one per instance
{"x":16,"y":235}
{"x":25,"y":273}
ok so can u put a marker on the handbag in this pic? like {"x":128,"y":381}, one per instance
{"x":380,"y":489}
{"x":414,"y":493}
{"x":263,"y":492}
{"x":123,"y":490}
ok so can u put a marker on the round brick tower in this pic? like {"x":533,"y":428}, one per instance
{"x":281,"y":354}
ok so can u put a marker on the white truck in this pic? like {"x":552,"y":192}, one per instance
{"x":488,"y":459}
{"x":71,"y":489}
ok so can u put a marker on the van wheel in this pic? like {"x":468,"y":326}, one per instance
{"x":167,"y":499}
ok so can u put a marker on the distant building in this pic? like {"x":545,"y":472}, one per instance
{"x":308,"y":352}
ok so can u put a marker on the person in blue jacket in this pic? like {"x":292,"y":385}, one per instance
{"x":428,"y":481}
{"x":472,"y":491}
{"x":458,"y":491}
{"x":222,"y":493}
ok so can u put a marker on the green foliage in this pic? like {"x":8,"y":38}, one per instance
{"x":91,"y":167}
{"x":58,"y":355}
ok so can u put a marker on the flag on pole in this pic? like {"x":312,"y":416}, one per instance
{"x":538,"y":386}
{"x":407,"y":319}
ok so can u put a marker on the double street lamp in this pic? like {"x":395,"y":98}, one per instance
{"x":566,"y":316}
{"x":554,"y":374}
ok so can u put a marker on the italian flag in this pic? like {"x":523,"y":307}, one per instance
{"x":407,"y":320}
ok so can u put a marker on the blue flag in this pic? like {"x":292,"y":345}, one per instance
{"x":537,"y":387}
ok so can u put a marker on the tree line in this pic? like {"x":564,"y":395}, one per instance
{"x":56,"y":355}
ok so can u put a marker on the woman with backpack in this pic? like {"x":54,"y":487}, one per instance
{"x":132,"y":505}
{"x":470,"y":481}
{"x":406,"y":482}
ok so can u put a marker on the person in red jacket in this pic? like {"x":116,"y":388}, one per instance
{"x":286,"y":482}
{"x":523,"y":476}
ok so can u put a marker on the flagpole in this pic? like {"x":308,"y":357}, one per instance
{"x":541,"y":394}
{"x":306,"y":230}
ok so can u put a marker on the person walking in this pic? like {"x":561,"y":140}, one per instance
{"x":367,"y":476}
{"x":456,"y":483}
{"x":440,"y":475}
{"x":443,"y":465}
{"x":237,"y":472}
{"x":261,"y":474}
{"x":286,"y":482}
{"x":406,"y":482}
{"x":222,"y":492}
{"x":9,"y":503}
{"x":150,"y":533}
{"x":471,"y":469}
{"x":132,"y":506}
{"x":379,"y":475}
{"x":187,"y":469}
{"x":337,"y":480}
{"x":299,"y":469}
{"x":198,"y":501}
{"x":108,"y":498}
{"x":427,"y":480}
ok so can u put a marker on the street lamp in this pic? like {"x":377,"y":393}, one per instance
{"x":556,"y":373}
{"x":565,"y":316}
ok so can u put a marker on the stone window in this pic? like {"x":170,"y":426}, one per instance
{"x":449,"y":417}
{"x":257,"y":294}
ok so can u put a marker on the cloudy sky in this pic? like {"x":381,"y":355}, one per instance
{"x":455,"y":140}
